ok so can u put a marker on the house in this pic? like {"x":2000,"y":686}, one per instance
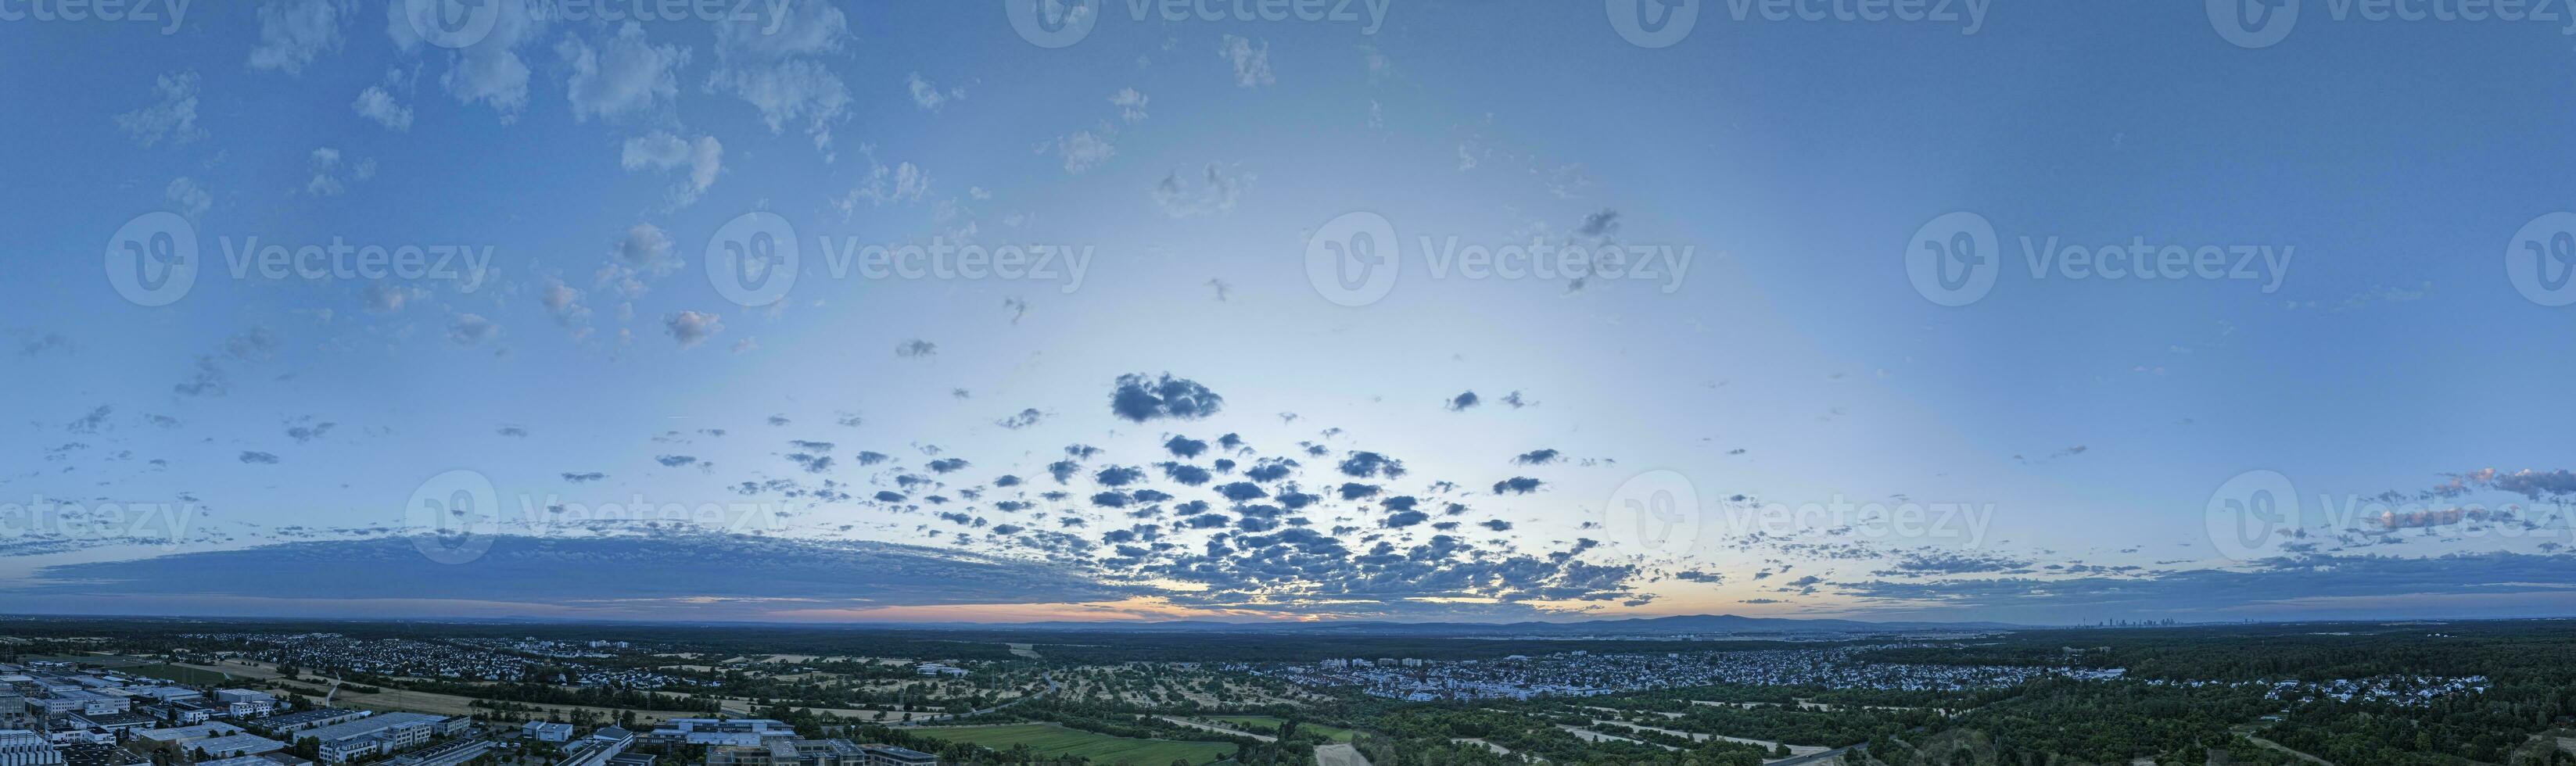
{"x":546,"y":731}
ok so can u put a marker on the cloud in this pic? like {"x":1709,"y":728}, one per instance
{"x":1139,"y":398}
{"x":646,"y":248}
{"x":471,"y":330}
{"x":624,"y":75}
{"x":915,"y":349}
{"x":707,"y":572}
{"x":661,"y":150}
{"x":327,"y":182}
{"x":187,"y":198}
{"x":490,"y":71}
{"x":2308,"y":587}
{"x":173,"y":117}
{"x":304,"y":433}
{"x":1131,"y":105}
{"x":563,"y":302}
{"x":292,"y":33}
{"x":383,"y":298}
{"x":1080,"y":150}
{"x":929,"y":97}
{"x":1216,"y":192}
{"x":90,"y":423}
{"x":903,"y":182}
{"x":776,"y":71}
{"x":1367,"y":465}
{"x":1461,"y":402}
{"x":1025,"y":418}
{"x":375,"y":103}
{"x":1251,"y":61}
{"x":691,"y":328}
{"x":258,"y":458}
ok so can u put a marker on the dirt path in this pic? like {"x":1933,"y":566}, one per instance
{"x":1339,"y":755}
{"x":1215,"y":728}
{"x":1794,"y":750}
{"x":2285,"y":749}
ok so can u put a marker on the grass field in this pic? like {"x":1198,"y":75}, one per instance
{"x":1048,"y":739}
{"x":181,"y":674}
{"x":1269,"y":725}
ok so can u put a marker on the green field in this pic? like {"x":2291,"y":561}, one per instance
{"x":1048,"y":739}
{"x":1269,"y":725}
{"x":188,"y":676}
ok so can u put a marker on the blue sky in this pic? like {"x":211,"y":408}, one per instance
{"x":2066,"y":440}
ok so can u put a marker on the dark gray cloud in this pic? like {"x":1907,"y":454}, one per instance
{"x":614,"y":573}
{"x":1139,"y":398}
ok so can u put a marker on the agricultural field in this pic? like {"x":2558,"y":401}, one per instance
{"x":181,"y":674}
{"x":1054,"y":740}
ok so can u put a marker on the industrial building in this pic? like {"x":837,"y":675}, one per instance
{"x":451,"y":753}
{"x":19,"y":747}
{"x":736,"y":732}
{"x":235,"y":745}
{"x":890,"y":755}
{"x":379,"y":734}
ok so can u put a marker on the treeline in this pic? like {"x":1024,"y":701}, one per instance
{"x":547,"y":694}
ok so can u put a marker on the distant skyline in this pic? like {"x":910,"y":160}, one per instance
{"x":2038,"y":314}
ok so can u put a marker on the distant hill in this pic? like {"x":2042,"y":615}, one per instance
{"x":1642,"y":626}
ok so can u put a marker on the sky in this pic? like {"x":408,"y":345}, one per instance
{"x":900,"y":311}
